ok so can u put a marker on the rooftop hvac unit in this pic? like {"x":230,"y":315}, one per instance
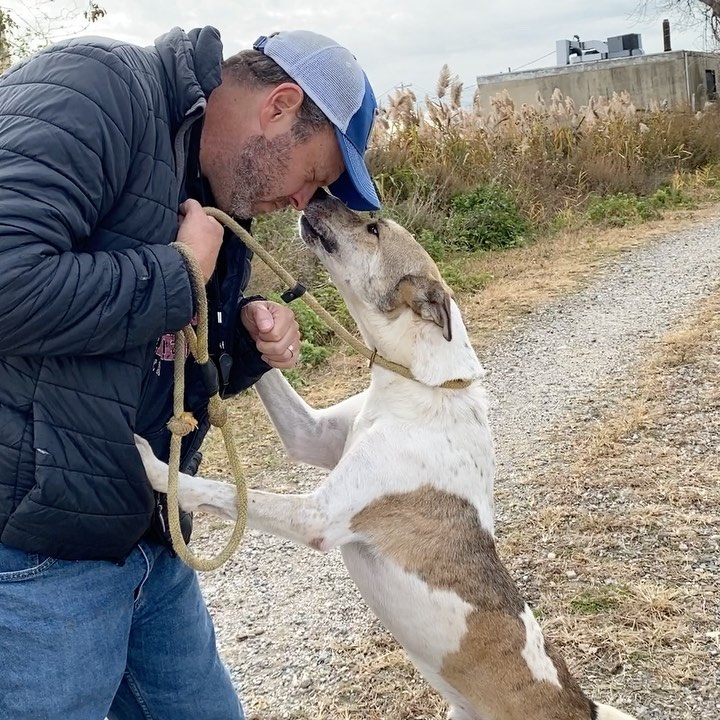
{"x":572,"y":52}
{"x":625,"y":45}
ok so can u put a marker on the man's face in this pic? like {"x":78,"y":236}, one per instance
{"x":270,"y":174}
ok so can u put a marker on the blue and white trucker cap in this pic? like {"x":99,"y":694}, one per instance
{"x":334,"y":80}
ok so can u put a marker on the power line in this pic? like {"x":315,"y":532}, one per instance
{"x":532,"y":62}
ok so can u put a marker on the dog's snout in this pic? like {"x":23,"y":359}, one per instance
{"x":323,"y":205}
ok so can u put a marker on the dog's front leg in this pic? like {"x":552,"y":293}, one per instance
{"x":314,"y":437}
{"x":304,"y":519}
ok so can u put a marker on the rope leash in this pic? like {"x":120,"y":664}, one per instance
{"x":183,"y":422}
{"x":309,"y":300}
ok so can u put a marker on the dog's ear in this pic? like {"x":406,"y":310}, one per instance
{"x":427,"y":297}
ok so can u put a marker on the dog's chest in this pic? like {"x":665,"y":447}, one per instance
{"x":393,"y":449}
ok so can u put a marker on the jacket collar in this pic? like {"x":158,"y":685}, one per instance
{"x":192,"y":68}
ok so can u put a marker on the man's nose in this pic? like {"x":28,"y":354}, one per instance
{"x":301,"y":198}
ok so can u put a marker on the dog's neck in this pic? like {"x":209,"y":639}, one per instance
{"x":419,"y":346}
{"x":437,"y":360}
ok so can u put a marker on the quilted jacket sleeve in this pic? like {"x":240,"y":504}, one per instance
{"x":70,"y":124}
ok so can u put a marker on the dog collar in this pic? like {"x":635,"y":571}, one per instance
{"x":375,"y":359}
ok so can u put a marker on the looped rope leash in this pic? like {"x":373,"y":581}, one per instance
{"x":183,"y":422}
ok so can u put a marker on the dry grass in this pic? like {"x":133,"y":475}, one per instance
{"x":523,"y":278}
{"x":384,"y":675}
{"x":551,"y":155}
{"x":630,"y":506}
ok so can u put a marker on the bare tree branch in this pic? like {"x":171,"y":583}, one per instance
{"x":706,"y":12}
{"x":30,"y":24}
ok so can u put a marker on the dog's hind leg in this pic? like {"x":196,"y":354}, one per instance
{"x":314,"y":437}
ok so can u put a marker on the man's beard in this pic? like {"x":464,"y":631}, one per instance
{"x":258,"y":174}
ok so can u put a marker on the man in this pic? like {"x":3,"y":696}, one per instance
{"x":107,"y":152}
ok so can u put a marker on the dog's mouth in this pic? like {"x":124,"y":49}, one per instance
{"x":312,"y":236}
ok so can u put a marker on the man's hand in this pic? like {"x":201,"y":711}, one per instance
{"x":202,"y":234}
{"x":275,"y":331}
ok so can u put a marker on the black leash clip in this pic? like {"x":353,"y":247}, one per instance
{"x":294,"y":293}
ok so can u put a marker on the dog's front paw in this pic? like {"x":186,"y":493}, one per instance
{"x":156,"y":470}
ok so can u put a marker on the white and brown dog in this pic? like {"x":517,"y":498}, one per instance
{"x":409,"y":496}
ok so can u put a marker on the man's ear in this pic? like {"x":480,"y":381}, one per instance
{"x":279,"y":109}
{"x":428,"y":298}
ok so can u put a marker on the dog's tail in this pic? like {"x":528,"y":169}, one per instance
{"x":605,"y":712}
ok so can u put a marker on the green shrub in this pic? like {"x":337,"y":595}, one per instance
{"x":330,"y":298}
{"x":485,"y":218}
{"x":667,"y":197}
{"x":295,"y":378}
{"x":620,"y":210}
{"x":313,"y":355}
{"x":436,"y":248}
{"x":625,"y":209}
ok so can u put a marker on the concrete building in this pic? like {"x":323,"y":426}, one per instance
{"x":681,"y":79}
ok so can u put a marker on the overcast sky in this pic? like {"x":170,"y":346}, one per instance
{"x":408,"y":41}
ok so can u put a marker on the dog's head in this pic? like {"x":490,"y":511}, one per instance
{"x":377,"y":265}
{"x":392,"y":287}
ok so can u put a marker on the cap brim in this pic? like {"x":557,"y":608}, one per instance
{"x":355,"y":186}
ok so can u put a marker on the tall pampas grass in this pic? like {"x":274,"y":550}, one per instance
{"x":551,"y":154}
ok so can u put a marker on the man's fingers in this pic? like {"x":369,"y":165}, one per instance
{"x":279,"y":351}
{"x":189,"y":206}
{"x":270,"y":322}
{"x":261,"y":317}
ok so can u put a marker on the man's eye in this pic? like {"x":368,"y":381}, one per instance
{"x":374,"y":229}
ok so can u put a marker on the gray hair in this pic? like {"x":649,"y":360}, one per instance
{"x":253,"y":68}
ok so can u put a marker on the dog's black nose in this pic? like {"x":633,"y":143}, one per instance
{"x":320,"y":194}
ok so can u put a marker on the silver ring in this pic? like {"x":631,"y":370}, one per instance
{"x":291,"y":348}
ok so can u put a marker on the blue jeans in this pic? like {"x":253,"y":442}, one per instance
{"x":88,"y":639}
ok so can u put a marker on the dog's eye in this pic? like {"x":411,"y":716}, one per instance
{"x":374,"y":229}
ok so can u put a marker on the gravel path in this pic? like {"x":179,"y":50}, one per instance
{"x":280,"y":610}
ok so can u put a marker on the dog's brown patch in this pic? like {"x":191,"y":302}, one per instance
{"x":438,"y":537}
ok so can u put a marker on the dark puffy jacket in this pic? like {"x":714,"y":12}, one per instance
{"x":94,"y":138}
